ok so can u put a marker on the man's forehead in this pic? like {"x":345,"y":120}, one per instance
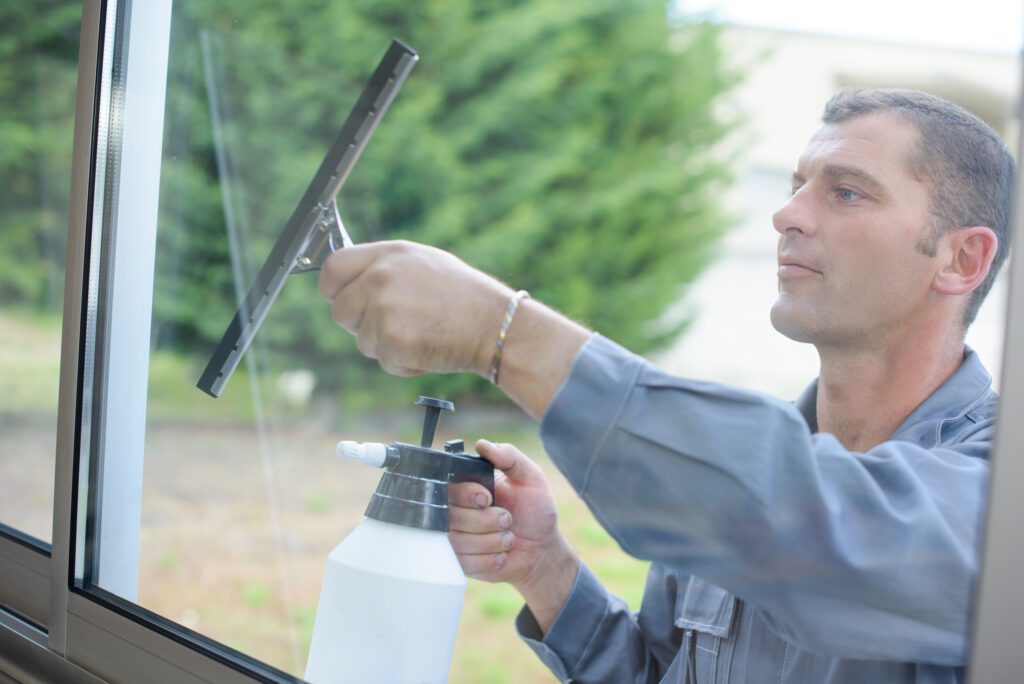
{"x":878,"y":142}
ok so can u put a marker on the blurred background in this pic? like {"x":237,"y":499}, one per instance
{"x":619,"y":159}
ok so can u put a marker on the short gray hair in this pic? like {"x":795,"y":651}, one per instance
{"x":967,"y":168}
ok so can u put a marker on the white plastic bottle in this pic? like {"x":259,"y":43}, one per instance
{"x":392,"y":591}
{"x":389,"y":608}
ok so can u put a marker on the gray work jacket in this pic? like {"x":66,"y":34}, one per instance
{"x":778,"y":555}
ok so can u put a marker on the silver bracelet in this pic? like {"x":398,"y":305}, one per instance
{"x":506,"y":322}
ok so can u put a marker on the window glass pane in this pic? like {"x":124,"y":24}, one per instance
{"x":38,"y":68}
{"x":550,"y":147}
{"x":243,"y":497}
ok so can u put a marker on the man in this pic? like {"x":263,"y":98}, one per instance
{"x":834,"y":540}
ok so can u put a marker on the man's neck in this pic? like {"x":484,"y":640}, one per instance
{"x":865,"y":394}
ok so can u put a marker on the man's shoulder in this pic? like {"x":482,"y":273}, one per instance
{"x":976,"y":422}
{"x":961,"y":410}
{"x":971,"y":404}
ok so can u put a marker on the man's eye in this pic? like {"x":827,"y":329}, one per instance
{"x":847,"y":195}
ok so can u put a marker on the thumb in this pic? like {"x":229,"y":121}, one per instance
{"x":514,"y":463}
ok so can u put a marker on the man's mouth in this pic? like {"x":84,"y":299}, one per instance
{"x":792,"y":267}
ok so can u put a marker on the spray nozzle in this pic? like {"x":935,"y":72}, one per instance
{"x":414,"y":488}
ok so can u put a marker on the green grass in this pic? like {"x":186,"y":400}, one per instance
{"x":305,"y":617}
{"x":29,"y":362}
{"x":318,"y":503}
{"x":499,"y":602}
{"x":173,"y":394}
{"x":589,"y":534}
{"x":30,"y":376}
{"x":256,"y":595}
{"x":169,"y":561}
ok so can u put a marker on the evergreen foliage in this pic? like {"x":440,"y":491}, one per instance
{"x":38,"y":68}
{"x":568,"y":148}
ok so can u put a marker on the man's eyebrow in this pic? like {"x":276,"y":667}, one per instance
{"x":838,"y":172}
{"x":866,"y":180}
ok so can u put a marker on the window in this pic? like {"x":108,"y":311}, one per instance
{"x":189,"y":534}
{"x":37,"y":99}
{"x":211,"y":519}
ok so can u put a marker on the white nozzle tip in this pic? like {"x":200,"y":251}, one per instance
{"x":349,"y":450}
{"x":370,"y":453}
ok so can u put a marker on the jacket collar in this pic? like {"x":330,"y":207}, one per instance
{"x":970,"y":385}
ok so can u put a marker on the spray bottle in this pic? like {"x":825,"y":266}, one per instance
{"x":392,"y":590}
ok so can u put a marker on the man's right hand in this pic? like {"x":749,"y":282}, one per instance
{"x":517,"y":540}
{"x":417,"y":309}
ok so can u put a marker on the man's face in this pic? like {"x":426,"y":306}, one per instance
{"x":850,"y":268}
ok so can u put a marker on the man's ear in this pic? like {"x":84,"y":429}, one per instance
{"x":968,"y":257}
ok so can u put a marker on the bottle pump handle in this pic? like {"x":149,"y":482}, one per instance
{"x":433,"y":415}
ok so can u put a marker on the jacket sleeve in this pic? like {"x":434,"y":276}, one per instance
{"x":855,"y":555}
{"x":596,"y":638}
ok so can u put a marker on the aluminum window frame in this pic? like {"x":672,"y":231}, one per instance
{"x":995,"y":654}
{"x":25,"y":577}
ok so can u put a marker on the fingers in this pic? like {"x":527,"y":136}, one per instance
{"x":484,"y":566}
{"x":350,"y":308}
{"x":476,"y":521}
{"x":473,"y":544}
{"x":351,"y":278}
{"x":481,"y":555}
{"x":399,"y":370}
{"x":516,"y":465}
{"x":380,"y":292}
{"x":345,"y":265}
{"x":469,"y":495}
{"x":414,"y":308}
{"x":480,"y":534}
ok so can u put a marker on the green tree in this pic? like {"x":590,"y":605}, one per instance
{"x":38,"y":68}
{"x":568,"y":147}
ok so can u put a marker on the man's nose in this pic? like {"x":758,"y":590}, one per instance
{"x":797,"y":214}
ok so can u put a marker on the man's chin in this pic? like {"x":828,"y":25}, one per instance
{"x":791,"y":325}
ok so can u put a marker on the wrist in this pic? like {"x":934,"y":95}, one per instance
{"x":506,"y":324}
{"x":489,"y":318}
{"x":548,"y":584}
{"x":538,"y":355}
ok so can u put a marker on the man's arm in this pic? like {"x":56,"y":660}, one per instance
{"x":855,"y":555}
{"x":418,"y":309}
